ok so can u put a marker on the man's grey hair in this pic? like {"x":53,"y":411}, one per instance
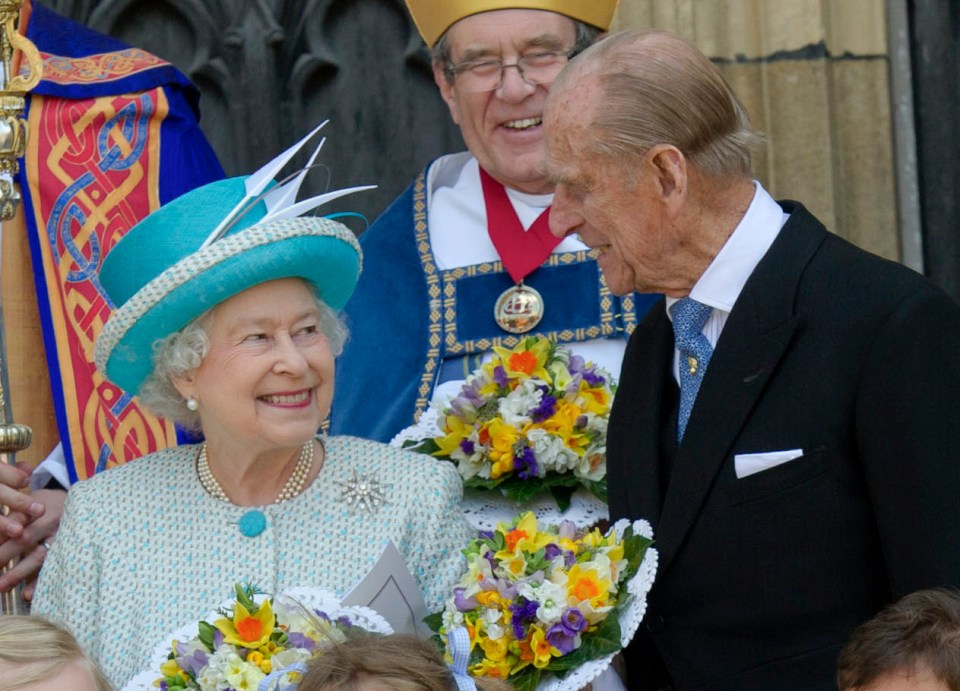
{"x":180,"y":353}
{"x":658,"y":88}
{"x":586,"y":34}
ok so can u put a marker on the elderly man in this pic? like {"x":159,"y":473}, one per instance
{"x":464,"y":259}
{"x":786,"y":417}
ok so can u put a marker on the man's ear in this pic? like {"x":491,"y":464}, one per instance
{"x":446,"y":90}
{"x":670,"y":171}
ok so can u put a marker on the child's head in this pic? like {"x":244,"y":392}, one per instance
{"x":36,"y":655}
{"x":384,"y":663}
{"x":912,"y":645}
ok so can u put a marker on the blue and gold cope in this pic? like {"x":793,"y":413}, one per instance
{"x":413,"y":324}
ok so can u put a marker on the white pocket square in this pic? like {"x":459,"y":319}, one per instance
{"x":749,"y":463}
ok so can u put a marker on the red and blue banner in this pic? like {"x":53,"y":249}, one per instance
{"x":113,"y":134}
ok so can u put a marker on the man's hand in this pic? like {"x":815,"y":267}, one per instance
{"x":21,"y":507}
{"x":32,"y":520}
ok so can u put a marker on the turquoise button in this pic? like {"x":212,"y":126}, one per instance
{"x":252,"y":523}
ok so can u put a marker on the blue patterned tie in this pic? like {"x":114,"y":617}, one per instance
{"x":695,"y":350}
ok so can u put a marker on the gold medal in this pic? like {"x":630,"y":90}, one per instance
{"x":519,"y":309}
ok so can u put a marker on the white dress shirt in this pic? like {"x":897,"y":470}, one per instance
{"x":723,"y":281}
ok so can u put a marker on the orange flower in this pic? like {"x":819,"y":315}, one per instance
{"x":524,"y":362}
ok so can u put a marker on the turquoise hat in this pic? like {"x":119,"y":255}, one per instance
{"x":178,"y":262}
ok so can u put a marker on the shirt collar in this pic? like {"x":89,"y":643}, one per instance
{"x":722,"y":282}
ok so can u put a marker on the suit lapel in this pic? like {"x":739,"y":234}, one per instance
{"x":753,"y":341}
{"x":643,"y":406}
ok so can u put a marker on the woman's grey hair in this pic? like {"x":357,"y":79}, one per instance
{"x":586,"y":34}
{"x":182,"y":352}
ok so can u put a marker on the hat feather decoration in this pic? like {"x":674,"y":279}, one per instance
{"x":214,"y":242}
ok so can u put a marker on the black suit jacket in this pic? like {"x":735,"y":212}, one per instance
{"x":829,"y":349}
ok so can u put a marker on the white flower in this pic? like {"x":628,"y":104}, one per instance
{"x":551,"y":452}
{"x":494,"y":631}
{"x":593,"y":465}
{"x":241,"y":675}
{"x":551,"y":597}
{"x":515,"y":407}
{"x":452,"y":618}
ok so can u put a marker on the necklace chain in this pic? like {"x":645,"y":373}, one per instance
{"x":292,"y":487}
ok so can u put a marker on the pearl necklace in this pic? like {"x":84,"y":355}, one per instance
{"x":290,"y":489}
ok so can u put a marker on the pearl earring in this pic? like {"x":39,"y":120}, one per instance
{"x":192,"y":404}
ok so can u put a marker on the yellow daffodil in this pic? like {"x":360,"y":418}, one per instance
{"x":587,"y":585}
{"x":488,"y":598}
{"x":595,"y":400}
{"x":502,"y":438}
{"x":248,"y":629}
{"x":456,"y":431}
{"x":495,"y":669}
{"x":524,"y":361}
{"x":495,"y":650}
{"x":541,"y":649}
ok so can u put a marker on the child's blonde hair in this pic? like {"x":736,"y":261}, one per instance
{"x":38,"y":650}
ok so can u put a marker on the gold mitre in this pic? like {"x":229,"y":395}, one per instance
{"x":433,"y":17}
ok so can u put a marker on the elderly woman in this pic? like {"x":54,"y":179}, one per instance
{"x":235,"y":336}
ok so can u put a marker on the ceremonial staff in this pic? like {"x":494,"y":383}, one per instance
{"x":13,"y":140}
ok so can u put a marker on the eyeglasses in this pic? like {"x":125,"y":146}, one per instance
{"x":487,"y":75}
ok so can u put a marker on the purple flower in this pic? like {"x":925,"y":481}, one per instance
{"x":192,"y":663}
{"x":345,"y":622}
{"x":579,"y":366}
{"x":561,"y":640}
{"x":572,"y":621}
{"x":545,"y":410}
{"x":506,"y":590}
{"x":463,"y":604}
{"x":524,"y":611}
{"x":486,"y":534}
{"x":467,"y":446}
{"x":490,"y":557}
{"x":217,"y":639}
{"x":500,"y":376}
{"x":551,"y":551}
{"x":525,"y":463}
{"x":467,"y":402}
{"x":298,"y":640}
{"x":580,"y":422}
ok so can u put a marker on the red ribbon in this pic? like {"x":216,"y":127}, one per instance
{"x":521,"y":251}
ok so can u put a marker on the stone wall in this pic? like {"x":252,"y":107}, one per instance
{"x":814,"y":75}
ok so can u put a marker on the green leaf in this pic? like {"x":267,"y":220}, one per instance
{"x":563,"y":496}
{"x":605,"y":640}
{"x":245,"y":597}
{"x":434,"y":621}
{"x":477,"y":482}
{"x":598,"y":488}
{"x":634,"y":549}
{"x":526,"y":679}
{"x":427,"y":446}
{"x":206,"y":635}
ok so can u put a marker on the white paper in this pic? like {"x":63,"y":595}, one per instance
{"x":390,"y":589}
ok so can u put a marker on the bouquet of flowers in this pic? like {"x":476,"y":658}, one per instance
{"x":533,"y":418}
{"x":548,"y":607}
{"x":251,"y":637}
